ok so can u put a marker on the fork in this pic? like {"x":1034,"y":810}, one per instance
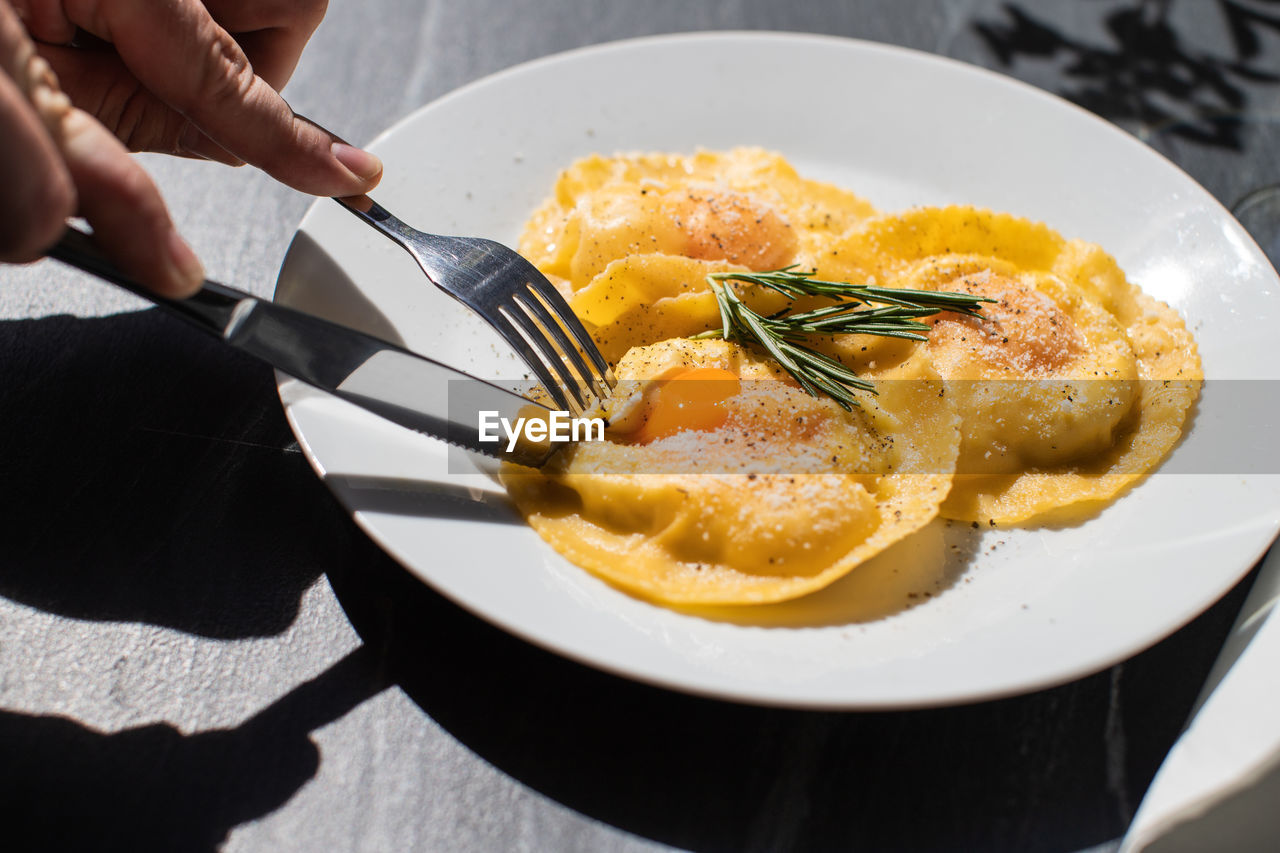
{"x":513,"y":297}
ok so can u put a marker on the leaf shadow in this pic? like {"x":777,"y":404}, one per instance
{"x":1146,"y":70}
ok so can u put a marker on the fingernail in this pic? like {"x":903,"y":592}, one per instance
{"x":187,"y":274}
{"x":358,"y":162}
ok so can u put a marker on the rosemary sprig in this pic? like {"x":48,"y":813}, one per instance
{"x":792,"y":282}
{"x":782,"y":335}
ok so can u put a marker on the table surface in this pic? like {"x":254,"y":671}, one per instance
{"x":200,"y":650}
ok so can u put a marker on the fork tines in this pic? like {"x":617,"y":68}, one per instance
{"x":513,"y":297}
{"x":559,"y":342}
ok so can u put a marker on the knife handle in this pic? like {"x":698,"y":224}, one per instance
{"x":211,"y":308}
{"x":384,"y":378}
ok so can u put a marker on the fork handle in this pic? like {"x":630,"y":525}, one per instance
{"x":376,"y":216}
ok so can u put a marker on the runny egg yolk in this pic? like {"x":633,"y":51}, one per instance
{"x":692,"y":399}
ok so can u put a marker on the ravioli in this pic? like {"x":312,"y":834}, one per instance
{"x":747,"y":207}
{"x":778,"y":496}
{"x":1073,"y":385}
{"x":642,"y":299}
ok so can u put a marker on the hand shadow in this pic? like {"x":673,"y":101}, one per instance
{"x":69,"y":787}
{"x":1061,"y":769}
{"x":150,"y":476}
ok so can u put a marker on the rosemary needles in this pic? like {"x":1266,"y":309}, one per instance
{"x":863,"y":309}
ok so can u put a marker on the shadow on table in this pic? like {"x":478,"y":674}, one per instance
{"x":1062,"y":769}
{"x":172,"y":500}
{"x":149,"y":475}
{"x":69,"y":787}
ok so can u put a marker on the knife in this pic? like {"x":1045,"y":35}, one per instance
{"x":401,"y":386}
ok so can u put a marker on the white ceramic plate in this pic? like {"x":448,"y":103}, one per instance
{"x":951,"y":615}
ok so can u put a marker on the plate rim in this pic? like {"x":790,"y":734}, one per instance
{"x":1060,"y":676}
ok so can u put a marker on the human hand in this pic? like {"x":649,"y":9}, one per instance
{"x":150,"y":93}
